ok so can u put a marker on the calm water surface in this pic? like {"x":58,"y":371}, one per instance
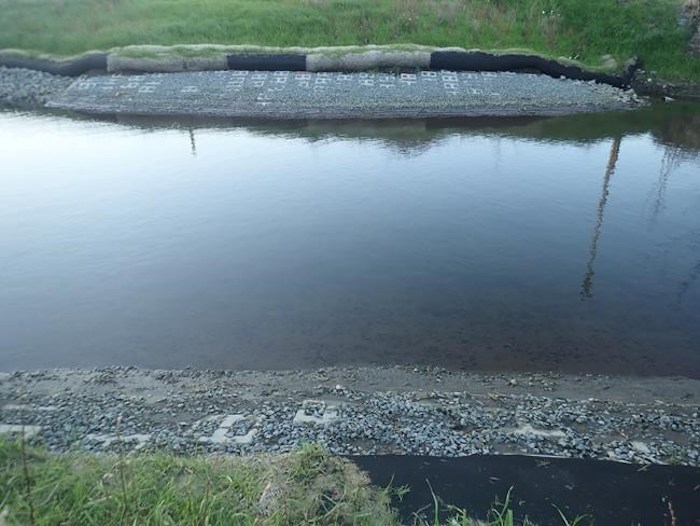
{"x":568,"y":244}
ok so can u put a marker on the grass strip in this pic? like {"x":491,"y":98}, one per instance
{"x":304,"y":487}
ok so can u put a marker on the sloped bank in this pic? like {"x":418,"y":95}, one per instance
{"x":161,"y":59}
{"x":169,"y":59}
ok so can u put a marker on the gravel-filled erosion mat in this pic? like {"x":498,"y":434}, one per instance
{"x":355,"y":411}
{"x":288,"y":94}
{"x":609,"y":493}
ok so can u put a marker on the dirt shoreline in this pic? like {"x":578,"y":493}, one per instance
{"x":400,"y":378}
{"x":359,"y":410}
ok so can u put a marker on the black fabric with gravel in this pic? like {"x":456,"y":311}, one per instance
{"x":74,"y":67}
{"x":479,"y":61}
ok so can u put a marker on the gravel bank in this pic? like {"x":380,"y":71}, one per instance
{"x":394,"y":410}
{"x":25,"y":89}
{"x":284,"y":94}
{"x":294,"y":95}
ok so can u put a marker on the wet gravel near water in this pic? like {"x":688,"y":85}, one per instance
{"x":423,"y":414}
{"x":25,"y":89}
{"x":285,"y":94}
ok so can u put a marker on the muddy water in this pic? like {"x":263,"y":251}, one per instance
{"x":568,"y":244}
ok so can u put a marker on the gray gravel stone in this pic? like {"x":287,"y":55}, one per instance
{"x":22,"y":88}
{"x":285,"y":94}
{"x":77,"y":411}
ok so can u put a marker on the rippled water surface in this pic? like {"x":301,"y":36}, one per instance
{"x":568,"y":244}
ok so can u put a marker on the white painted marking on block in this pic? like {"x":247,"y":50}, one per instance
{"x":29,"y":431}
{"x":641,"y":447}
{"x":24,"y":407}
{"x":220,"y":434}
{"x":528,"y":430}
{"x":86,"y":85}
{"x":330,"y":413}
{"x":245,"y":439}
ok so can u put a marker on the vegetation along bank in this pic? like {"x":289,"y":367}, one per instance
{"x":599,"y":34}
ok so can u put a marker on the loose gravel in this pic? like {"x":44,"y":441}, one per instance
{"x":244,"y":412}
{"x":25,"y":89}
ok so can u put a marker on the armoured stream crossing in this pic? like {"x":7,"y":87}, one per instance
{"x":285,"y":94}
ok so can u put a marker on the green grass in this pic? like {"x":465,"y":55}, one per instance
{"x":580,"y":30}
{"x":307,"y":487}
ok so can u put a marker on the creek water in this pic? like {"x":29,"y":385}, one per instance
{"x":565,"y":244}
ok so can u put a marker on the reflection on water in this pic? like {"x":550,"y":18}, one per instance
{"x":675,"y":127}
{"x":193,"y":144}
{"x":587,"y":285}
{"x":568,"y":244}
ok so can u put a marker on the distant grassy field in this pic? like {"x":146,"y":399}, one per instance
{"x":582,"y":30}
